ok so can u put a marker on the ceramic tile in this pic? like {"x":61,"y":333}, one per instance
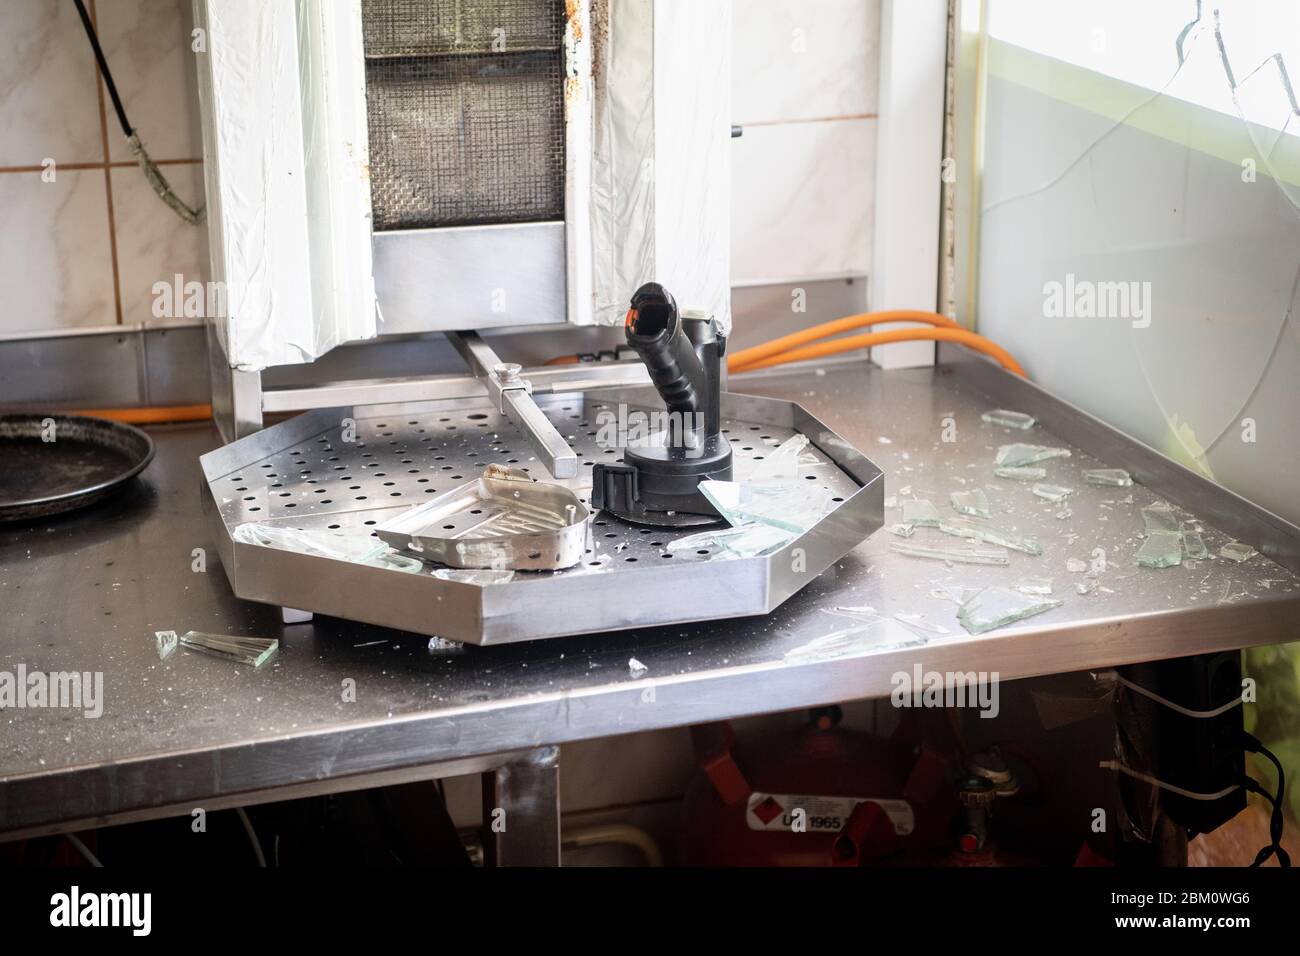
{"x":47,"y":86}
{"x":153,"y":243}
{"x":147,"y":45}
{"x":55,"y":262}
{"x":805,"y":59}
{"x":802,"y":205}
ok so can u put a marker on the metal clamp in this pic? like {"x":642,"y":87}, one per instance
{"x":512,"y":394}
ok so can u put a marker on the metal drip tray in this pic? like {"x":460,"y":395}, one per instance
{"x":504,"y":520}
{"x":305,"y":474}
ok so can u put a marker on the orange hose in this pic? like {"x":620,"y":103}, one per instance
{"x":823,"y":349}
{"x":562,"y":360}
{"x":746,"y":357}
{"x":150,"y":416}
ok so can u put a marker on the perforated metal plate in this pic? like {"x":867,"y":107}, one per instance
{"x":304,"y":474}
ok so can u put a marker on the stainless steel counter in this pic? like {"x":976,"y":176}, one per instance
{"x":86,"y":593}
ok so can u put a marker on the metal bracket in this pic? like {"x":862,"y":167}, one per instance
{"x":512,"y":395}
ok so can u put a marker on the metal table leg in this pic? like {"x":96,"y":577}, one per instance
{"x":521,"y":811}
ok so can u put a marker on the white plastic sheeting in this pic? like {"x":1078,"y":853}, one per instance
{"x":661,"y":168}
{"x":282,"y":94}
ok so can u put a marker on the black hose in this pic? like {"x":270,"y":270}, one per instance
{"x":103,"y":69}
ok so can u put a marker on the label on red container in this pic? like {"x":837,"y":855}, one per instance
{"x":805,"y":814}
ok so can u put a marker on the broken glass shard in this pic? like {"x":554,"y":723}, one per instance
{"x":1034,"y":585}
{"x":1115,"y":477}
{"x":484,"y":576}
{"x":242,"y":650}
{"x":782,"y":465}
{"x":921,"y":623}
{"x":974,"y":503}
{"x":1236,"y":551}
{"x":794,"y":508}
{"x":995,"y":607}
{"x":1021,"y":473}
{"x":747,"y":541}
{"x":359,"y":548}
{"x":1194,"y":545}
{"x":1161,"y":549}
{"x":920,"y":512}
{"x":166,"y":642}
{"x":1161,"y":518}
{"x":954,"y":592}
{"x":1054,"y":493}
{"x":1014,"y":456}
{"x":962,"y":528}
{"x":998,"y":556}
{"x":1075,"y":566}
{"x":1000,"y":416}
{"x":902,"y":529}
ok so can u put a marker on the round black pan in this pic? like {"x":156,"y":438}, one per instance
{"x":87,"y":460}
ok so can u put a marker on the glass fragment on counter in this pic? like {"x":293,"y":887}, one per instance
{"x":1008,"y":419}
{"x":1075,"y":566}
{"x":1113,"y":477}
{"x":1032,"y":585}
{"x":988,"y":534}
{"x":635,"y":668}
{"x":1194,"y":548}
{"x":920,"y":623}
{"x":1236,"y":551}
{"x":793,"y":508}
{"x":902,"y":529}
{"x":838,"y":643}
{"x":996,"y":556}
{"x":166,"y":642}
{"x":995,"y":607}
{"x":973,"y":503}
{"x":955,"y":593}
{"x":484,"y":576}
{"x":440,"y":645}
{"x":918,"y":511}
{"x":1021,"y":473}
{"x":1014,"y":456}
{"x":242,"y":650}
{"x":1053,"y":493}
{"x":1160,"y":517}
{"x":359,"y":548}
{"x":1161,"y":549}
{"x":782,"y":465}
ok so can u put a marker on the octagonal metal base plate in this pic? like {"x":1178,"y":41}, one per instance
{"x":349,"y":469}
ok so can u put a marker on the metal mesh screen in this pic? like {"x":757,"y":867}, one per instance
{"x":466,"y":111}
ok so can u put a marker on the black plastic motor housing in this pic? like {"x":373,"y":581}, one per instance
{"x":658,"y":479}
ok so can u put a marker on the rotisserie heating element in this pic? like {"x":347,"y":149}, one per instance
{"x":465,"y":101}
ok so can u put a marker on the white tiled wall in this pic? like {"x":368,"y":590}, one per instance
{"x":85,"y":249}
{"x":805,"y":89}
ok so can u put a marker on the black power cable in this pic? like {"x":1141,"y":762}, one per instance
{"x":1276,"y":820}
{"x":151,"y":171}
{"x":127,"y":131}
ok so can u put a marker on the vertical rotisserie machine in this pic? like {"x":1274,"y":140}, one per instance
{"x":384,"y":168}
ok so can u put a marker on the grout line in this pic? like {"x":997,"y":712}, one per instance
{"x":108,"y":177}
{"x":116,"y":164}
{"x":810,"y":119}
